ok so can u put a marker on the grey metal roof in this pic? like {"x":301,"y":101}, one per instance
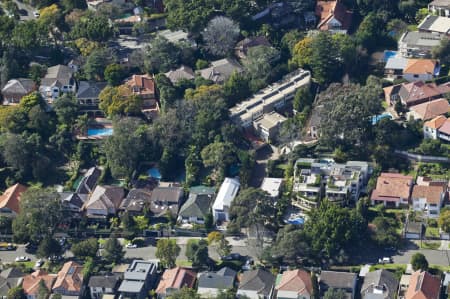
{"x":90,"y":90}
{"x":259,"y":280}
{"x":422,"y":39}
{"x":131,"y":286}
{"x":215,"y":281}
{"x":380,"y":280}
{"x":440,"y":3}
{"x":19,"y":86}
{"x":105,"y":281}
{"x":225,"y":271}
{"x":396,"y":63}
{"x":139,"y":270}
{"x":337,"y":280}
{"x":136,"y":200}
{"x":197,"y":205}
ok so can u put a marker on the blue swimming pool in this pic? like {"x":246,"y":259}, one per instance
{"x":389,"y":54}
{"x":100,"y":132}
{"x":154,"y":173}
{"x":296,"y":221}
{"x":377,"y":118}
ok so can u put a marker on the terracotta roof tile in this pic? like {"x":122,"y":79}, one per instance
{"x":436,"y":122}
{"x":392,"y":187}
{"x":70,"y":278}
{"x":176,"y":278}
{"x":423,"y":285}
{"x":31,"y":282}
{"x":420,"y":66}
{"x":431,"y":109}
{"x":11,"y":197}
{"x":326,"y":10}
{"x":298,"y":281}
{"x":431,"y":193}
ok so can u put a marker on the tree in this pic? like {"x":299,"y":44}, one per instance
{"x":258,"y":65}
{"x":236,"y":88}
{"x":334,"y":294}
{"x":49,"y":247}
{"x":66,"y":108}
{"x":442,"y":52}
{"x":184,"y":293}
{"x":119,"y":101}
{"x":303,"y":99}
{"x":315,"y":284}
{"x":384,"y":233}
{"x":221,"y":35}
{"x":197,"y":252}
{"x":94,"y":28}
{"x":124,"y":148}
{"x":371,"y":31}
{"x":167,"y":92}
{"x":444,"y":220}
{"x":16,"y":293}
{"x":167,"y":251}
{"x":325,"y":61}
{"x":43,"y":292}
{"x":218,"y":155}
{"x":291,"y":245}
{"x":113,"y":251}
{"x":193,"y":165}
{"x":85,"y":249}
{"x":41,"y":214}
{"x":141,"y":222}
{"x":161,"y":55}
{"x":114,"y":74}
{"x":419,"y":262}
{"x":302,"y":53}
{"x":218,"y":241}
{"x":421,"y":14}
{"x":96,"y":63}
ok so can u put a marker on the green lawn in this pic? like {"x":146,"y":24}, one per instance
{"x":430,"y":245}
{"x":184,"y":263}
{"x":391,"y":267}
{"x":432,"y":232}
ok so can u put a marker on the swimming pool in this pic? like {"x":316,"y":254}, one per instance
{"x":296,"y":221}
{"x":99,"y":132}
{"x":154,"y":173}
{"x":389,"y":54}
{"x":377,"y":118}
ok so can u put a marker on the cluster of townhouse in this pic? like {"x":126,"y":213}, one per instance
{"x":260,"y":113}
{"x":316,"y":179}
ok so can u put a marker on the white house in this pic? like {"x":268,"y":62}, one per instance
{"x":227,"y":193}
{"x":272,"y":186}
{"x":59,"y":79}
{"x":428,"y":199}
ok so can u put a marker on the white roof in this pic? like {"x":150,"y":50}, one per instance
{"x":272,"y":186}
{"x":396,"y":63}
{"x":227,"y":192}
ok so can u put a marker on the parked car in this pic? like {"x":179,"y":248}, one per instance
{"x":385,"y":260}
{"x":55,"y":258}
{"x":30,"y":248}
{"x":39,"y":263}
{"x":231,"y":257}
{"x":20,"y":259}
{"x":131,"y":245}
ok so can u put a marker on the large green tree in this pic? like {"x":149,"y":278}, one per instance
{"x":419,"y":262}
{"x":40,"y":215}
{"x":113,"y":251}
{"x":167,"y":251}
{"x":325,"y":60}
{"x":49,"y":247}
{"x":197,"y":252}
{"x":85,"y":249}
{"x":161,"y":55}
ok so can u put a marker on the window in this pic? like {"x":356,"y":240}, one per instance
{"x":416,"y":76}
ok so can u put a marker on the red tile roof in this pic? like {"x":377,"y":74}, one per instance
{"x":431,"y":193}
{"x":142,"y":84}
{"x":423,"y":285}
{"x":176,"y":278}
{"x":431,"y":109}
{"x":70,"y":278}
{"x":11,"y":197}
{"x":31,"y":282}
{"x":326,"y":10}
{"x":445,"y":128}
{"x":298,"y":281}
{"x":420,"y":66}
{"x":436,"y":122}
{"x":392,"y":187}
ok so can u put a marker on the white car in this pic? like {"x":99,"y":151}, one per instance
{"x":131,"y":245}
{"x":22,"y":259}
{"x":36,"y":14}
{"x":39,"y":263}
{"x":385,"y":260}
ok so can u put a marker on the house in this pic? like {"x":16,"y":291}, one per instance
{"x":440,"y":8}
{"x":421,"y":70}
{"x":444,"y":131}
{"x":294,"y":284}
{"x":120,"y":269}
{"x":423,"y":285}
{"x":144,"y":87}
{"x":10,"y":278}
{"x":431,"y":127}
{"x":15,"y":89}
{"x":88,"y":97}
{"x":72,"y":202}
{"x":104,"y":201}
{"x":198,"y":205}
{"x":181,"y":73}
{"x":76,"y":63}
{"x":429,"y":110}
{"x":135,"y":201}
{"x":210,"y":284}
{"x":414,"y":93}
{"x":247,"y":43}
{"x":59,"y":79}
{"x":273,"y":97}
{"x":176,"y":37}
{"x":126,"y":25}
{"x":256,"y":284}
{"x":379,"y":284}
{"x":272,"y":186}
{"x":435,"y":24}
{"x":10,"y":200}
{"x":394,"y":67}
{"x":100,"y":285}
{"x":166,"y":200}
{"x":393,"y":189}
{"x":339,"y":281}
{"x":278,"y":14}
{"x":175,"y":279}
{"x":414,"y":230}
{"x":89,"y":181}
{"x":428,"y":199}
{"x":418,"y":44}
{"x":31,"y":283}
{"x":138,"y":279}
{"x":227,"y":193}
{"x":69,"y":281}
{"x":316,"y":179}
{"x":221,"y":70}
{"x":268,"y":125}
{"x":333,"y":16}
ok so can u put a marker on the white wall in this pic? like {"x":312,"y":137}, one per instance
{"x":421,"y":77}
